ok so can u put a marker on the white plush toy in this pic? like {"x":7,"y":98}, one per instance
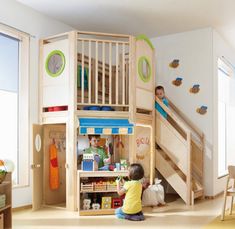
{"x":86,"y":204}
{"x":95,"y":206}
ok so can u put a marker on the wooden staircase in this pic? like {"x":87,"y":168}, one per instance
{"x":180,"y":152}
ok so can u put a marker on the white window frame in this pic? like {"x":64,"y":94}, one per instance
{"x":23,"y":104}
{"x":223,"y":65}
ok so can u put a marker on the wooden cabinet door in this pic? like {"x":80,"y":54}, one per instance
{"x":37,"y":166}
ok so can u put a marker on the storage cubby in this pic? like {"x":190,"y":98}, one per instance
{"x":95,"y":186}
{"x":6,"y":211}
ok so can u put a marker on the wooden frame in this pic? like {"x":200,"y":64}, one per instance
{"x":111,"y":82}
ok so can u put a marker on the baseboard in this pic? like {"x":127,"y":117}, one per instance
{"x":22,"y":208}
{"x":214,"y":197}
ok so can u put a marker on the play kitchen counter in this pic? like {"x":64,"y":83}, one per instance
{"x":97,"y":192}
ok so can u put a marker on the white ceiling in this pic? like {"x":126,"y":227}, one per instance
{"x":152,"y":17}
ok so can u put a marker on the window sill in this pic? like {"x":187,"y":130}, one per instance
{"x":222,"y":176}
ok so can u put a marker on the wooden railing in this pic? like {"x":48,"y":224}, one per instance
{"x":177,"y":122}
{"x":107,"y":61}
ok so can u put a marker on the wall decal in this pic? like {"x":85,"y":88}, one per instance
{"x":195,"y":89}
{"x":175,"y":63}
{"x":177,"y":82}
{"x":202,"y":110}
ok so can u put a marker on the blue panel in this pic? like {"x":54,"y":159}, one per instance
{"x":130,"y":130}
{"x":83,"y":130}
{"x":98,"y":130}
{"x":115,"y":130}
{"x":93,"y":122}
{"x":100,"y":124}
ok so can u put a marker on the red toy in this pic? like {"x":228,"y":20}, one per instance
{"x":116,"y":202}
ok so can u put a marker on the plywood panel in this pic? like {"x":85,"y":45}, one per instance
{"x":143,"y":49}
{"x":144,"y":99}
{"x":172,"y":143}
{"x":143,"y":148}
{"x":58,"y":133}
{"x":61,"y":82}
{"x":171,"y":176}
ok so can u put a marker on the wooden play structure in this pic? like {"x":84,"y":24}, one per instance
{"x":91,"y":83}
{"x":98,"y":83}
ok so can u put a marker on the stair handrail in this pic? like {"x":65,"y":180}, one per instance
{"x":195,"y":129}
{"x":172,"y":115}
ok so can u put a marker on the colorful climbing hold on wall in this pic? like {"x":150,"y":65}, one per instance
{"x":175,"y":63}
{"x":202,"y":110}
{"x":195,"y":89}
{"x":177,"y":82}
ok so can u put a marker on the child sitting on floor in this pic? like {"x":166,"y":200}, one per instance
{"x":160,"y":93}
{"x":132,"y":207}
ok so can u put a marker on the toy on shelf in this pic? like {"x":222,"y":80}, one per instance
{"x":111,"y":186}
{"x":100,"y":186}
{"x":123,"y":163}
{"x":116,"y":202}
{"x":106,"y":202}
{"x":90,"y":162}
{"x":87,"y":187}
{"x":95,"y":206}
{"x":86,"y":204}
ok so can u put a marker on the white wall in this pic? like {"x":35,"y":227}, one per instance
{"x":194,"y":50}
{"x":221,"y":49}
{"x":23,"y":18}
{"x":198,"y":52}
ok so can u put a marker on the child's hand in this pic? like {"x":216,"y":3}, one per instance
{"x":107,"y":160}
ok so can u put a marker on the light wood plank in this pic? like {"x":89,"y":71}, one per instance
{"x":103,"y":72}
{"x":110,"y":73}
{"x":89,"y":72}
{"x":117,"y":70}
{"x":82,"y":86}
{"x":96,"y":72}
{"x":123,"y":74}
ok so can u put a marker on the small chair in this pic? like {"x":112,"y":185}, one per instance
{"x":229,"y":191}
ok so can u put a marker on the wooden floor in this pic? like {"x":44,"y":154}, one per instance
{"x":175,"y":215}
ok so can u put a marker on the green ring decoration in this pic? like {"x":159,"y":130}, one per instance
{"x":147,"y":78}
{"x":61,"y":54}
{"x":146,"y":39}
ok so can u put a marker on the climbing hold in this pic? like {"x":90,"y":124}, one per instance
{"x":202,"y":110}
{"x":174,"y":63}
{"x":177,"y":82}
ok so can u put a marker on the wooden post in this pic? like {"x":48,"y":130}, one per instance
{"x":189,"y":168}
{"x":71,"y":128}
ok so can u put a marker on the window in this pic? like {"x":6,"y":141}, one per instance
{"x":226,"y":114}
{"x":14,"y":117}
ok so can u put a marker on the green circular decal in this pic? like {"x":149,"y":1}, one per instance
{"x":55,"y":63}
{"x":144,"y":69}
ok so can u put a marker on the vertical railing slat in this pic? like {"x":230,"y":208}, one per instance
{"x":103,"y":72}
{"x":89,"y":74}
{"x":117,"y":64}
{"x":123,"y":74}
{"x":96,"y":72}
{"x":82,"y":81}
{"x":110,"y":73}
